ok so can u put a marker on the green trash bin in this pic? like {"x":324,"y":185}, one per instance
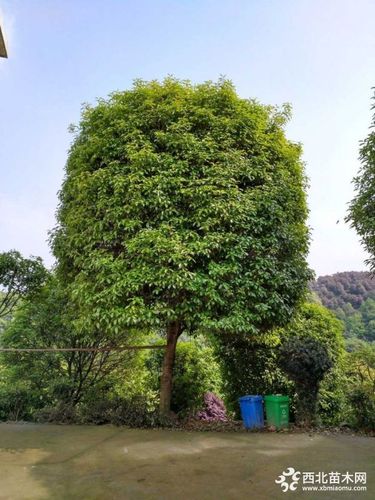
{"x":277,"y":410}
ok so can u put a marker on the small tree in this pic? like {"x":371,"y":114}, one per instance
{"x":315,"y":321}
{"x":18,"y":277}
{"x":305,"y":361}
{"x":183,"y":209}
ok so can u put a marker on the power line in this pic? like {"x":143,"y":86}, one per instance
{"x":82,"y":349}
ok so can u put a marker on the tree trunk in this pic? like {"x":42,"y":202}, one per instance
{"x":306,"y":408}
{"x":173,"y":332}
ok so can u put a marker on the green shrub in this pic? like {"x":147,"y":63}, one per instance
{"x":17,"y":402}
{"x":333,"y":405}
{"x":313,"y":321}
{"x":362,"y":400}
{"x":133,"y":412}
{"x":305,"y":361}
{"x":196,"y":371}
{"x":249,"y":367}
{"x":361,"y":387}
{"x":48,"y":386}
{"x":317,"y":322}
{"x":60,"y":413}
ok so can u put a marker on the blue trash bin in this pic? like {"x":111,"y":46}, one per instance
{"x":252,"y":411}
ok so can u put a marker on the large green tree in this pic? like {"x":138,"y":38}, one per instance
{"x":183,"y":208}
{"x":362,"y":207}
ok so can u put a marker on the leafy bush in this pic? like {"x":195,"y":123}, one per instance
{"x":196,"y":371}
{"x":16,"y":402}
{"x":362,"y":400}
{"x":133,"y":412}
{"x":249,"y":367}
{"x":333,"y":405}
{"x":314,"y":321}
{"x":305,"y":361}
{"x":53,"y":384}
{"x":361,"y":386}
{"x":61,"y":413}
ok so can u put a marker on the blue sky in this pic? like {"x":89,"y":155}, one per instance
{"x":318,"y":55}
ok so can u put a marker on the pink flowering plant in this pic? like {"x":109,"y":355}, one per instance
{"x":214,"y":409}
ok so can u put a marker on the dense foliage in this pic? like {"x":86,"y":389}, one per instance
{"x":119,"y":387}
{"x":196,"y":372}
{"x":351,"y":296}
{"x":183,"y":208}
{"x":249,"y":367}
{"x":340,"y":289}
{"x":19,"y":277}
{"x":313,"y":321}
{"x":362,"y":207}
{"x":122,"y":389}
{"x":360,"y":323}
{"x":361,"y":386}
{"x":59,"y":380}
{"x":316,"y":322}
{"x":305,"y":361}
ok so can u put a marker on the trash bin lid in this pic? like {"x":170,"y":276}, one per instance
{"x":279,"y":398}
{"x":251,"y":397}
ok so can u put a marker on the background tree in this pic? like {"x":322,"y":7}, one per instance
{"x":57,"y":380}
{"x":362,"y":207}
{"x":340,"y":289}
{"x":351,"y":296}
{"x":183,"y":208}
{"x":18,"y":277}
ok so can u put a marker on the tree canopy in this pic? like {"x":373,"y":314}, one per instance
{"x":362,"y":207}
{"x":314,"y":321}
{"x":18,"y":278}
{"x":351,"y":295}
{"x":340,"y":289}
{"x":183,"y":208}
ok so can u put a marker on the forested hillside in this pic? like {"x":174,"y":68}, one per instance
{"x":351,"y":295}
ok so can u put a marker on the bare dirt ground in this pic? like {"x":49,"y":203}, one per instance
{"x":87,"y":462}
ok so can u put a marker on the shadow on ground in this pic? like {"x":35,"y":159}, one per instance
{"x":87,"y":462}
